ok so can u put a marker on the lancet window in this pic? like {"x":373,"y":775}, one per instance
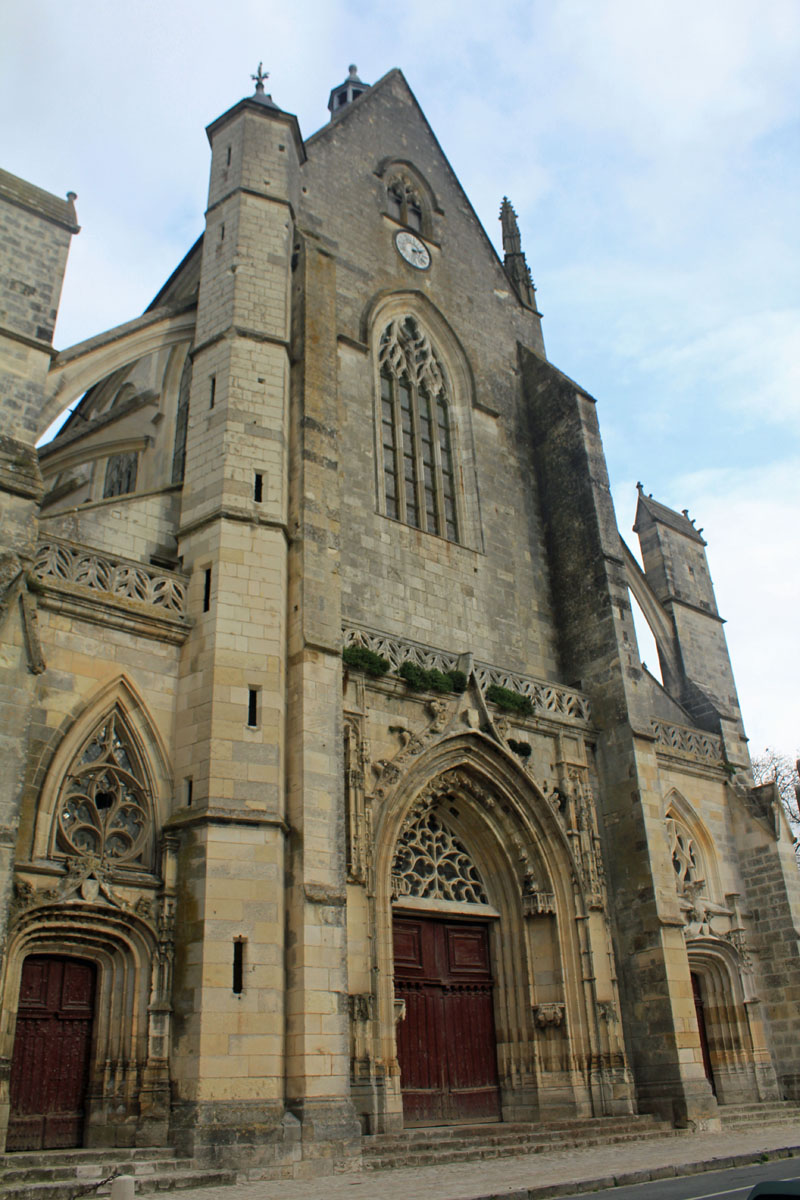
{"x":104,"y":809}
{"x":431,"y":863}
{"x":416,"y":443}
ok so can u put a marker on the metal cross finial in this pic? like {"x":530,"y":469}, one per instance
{"x":259,"y":78}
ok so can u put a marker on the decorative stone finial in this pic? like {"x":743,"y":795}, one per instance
{"x":353,"y":69}
{"x":513,"y":258}
{"x":259,"y":78}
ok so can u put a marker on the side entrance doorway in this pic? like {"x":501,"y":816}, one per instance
{"x":50,"y":1064}
{"x":702,"y":1029}
{"x":446,"y":1043}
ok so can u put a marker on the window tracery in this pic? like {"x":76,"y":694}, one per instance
{"x":121,"y":471}
{"x":104,"y":808}
{"x":684,"y":855}
{"x":416,"y":444}
{"x":431,"y":863}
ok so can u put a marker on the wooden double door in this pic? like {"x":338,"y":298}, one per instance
{"x":446,"y":1043}
{"x":50,"y":1065}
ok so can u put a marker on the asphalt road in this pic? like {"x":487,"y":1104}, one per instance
{"x":711,"y":1185}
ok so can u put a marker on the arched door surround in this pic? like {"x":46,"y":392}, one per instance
{"x":551,"y":1049}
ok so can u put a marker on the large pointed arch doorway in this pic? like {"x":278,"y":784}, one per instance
{"x":50,"y":1064}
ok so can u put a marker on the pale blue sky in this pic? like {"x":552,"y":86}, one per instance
{"x":650,"y":149}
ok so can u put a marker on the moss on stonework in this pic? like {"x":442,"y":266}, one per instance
{"x":509,"y":701}
{"x":422,"y":680}
{"x":362,"y":659}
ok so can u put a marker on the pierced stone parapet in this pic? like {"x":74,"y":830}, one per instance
{"x":687,"y":741}
{"x":548,"y":699}
{"x":400,"y":650}
{"x":59,"y":561}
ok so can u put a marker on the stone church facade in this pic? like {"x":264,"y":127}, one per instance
{"x":335,"y":797}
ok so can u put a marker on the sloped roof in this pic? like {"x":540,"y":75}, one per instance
{"x":35,"y":199}
{"x":662,"y":515}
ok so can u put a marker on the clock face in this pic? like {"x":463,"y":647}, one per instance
{"x":413,"y":250}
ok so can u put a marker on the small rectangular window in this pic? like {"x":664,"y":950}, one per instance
{"x":207,"y":589}
{"x":228,"y":162}
{"x":189,"y":789}
{"x":252,"y":708}
{"x":238,"y":966}
{"x":258,"y":487}
{"x":212,"y":391}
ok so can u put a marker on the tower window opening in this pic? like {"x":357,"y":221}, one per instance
{"x":212,"y":391}
{"x":238,"y":966}
{"x":189,"y":783}
{"x":207,"y":589}
{"x":228,"y":157}
{"x":252,"y":708}
{"x":258,"y":487}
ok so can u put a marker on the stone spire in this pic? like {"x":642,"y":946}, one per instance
{"x":514,"y":260}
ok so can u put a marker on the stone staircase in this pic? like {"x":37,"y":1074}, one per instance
{"x":773,"y":1112}
{"x":463,"y":1143}
{"x":66,"y":1174}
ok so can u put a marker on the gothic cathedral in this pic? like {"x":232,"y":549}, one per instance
{"x":335,"y":797}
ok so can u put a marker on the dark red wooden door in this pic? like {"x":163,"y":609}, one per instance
{"x":699,"y":1008}
{"x":446,"y":1044}
{"x":50,"y":1067}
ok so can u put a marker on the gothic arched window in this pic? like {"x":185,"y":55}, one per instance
{"x":104,"y":808}
{"x":685,"y":857}
{"x":416,"y":443}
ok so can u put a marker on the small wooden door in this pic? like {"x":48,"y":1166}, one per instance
{"x":50,"y":1066}
{"x":446,"y":1044}
{"x":697,"y":992}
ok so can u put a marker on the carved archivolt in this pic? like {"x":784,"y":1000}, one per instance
{"x":104,"y":809}
{"x":431,"y":863}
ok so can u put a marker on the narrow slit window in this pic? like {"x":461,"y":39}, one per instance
{"x":189,"y":790}
{"x":238,"y":966}
{"x":252,"y":708}
{"x":258,"y":487}
{"x":207,"y":589}
{"x":415,"y":432}
{"x":228,"y":158}
{"x":212,"y":391}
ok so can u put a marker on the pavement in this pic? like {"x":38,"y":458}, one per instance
{"x":534,"y":1176}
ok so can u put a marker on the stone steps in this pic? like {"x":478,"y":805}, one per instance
{"x":426,"y":1147}
{"x":64,"y":1174}
{"x":774,"y":1112}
